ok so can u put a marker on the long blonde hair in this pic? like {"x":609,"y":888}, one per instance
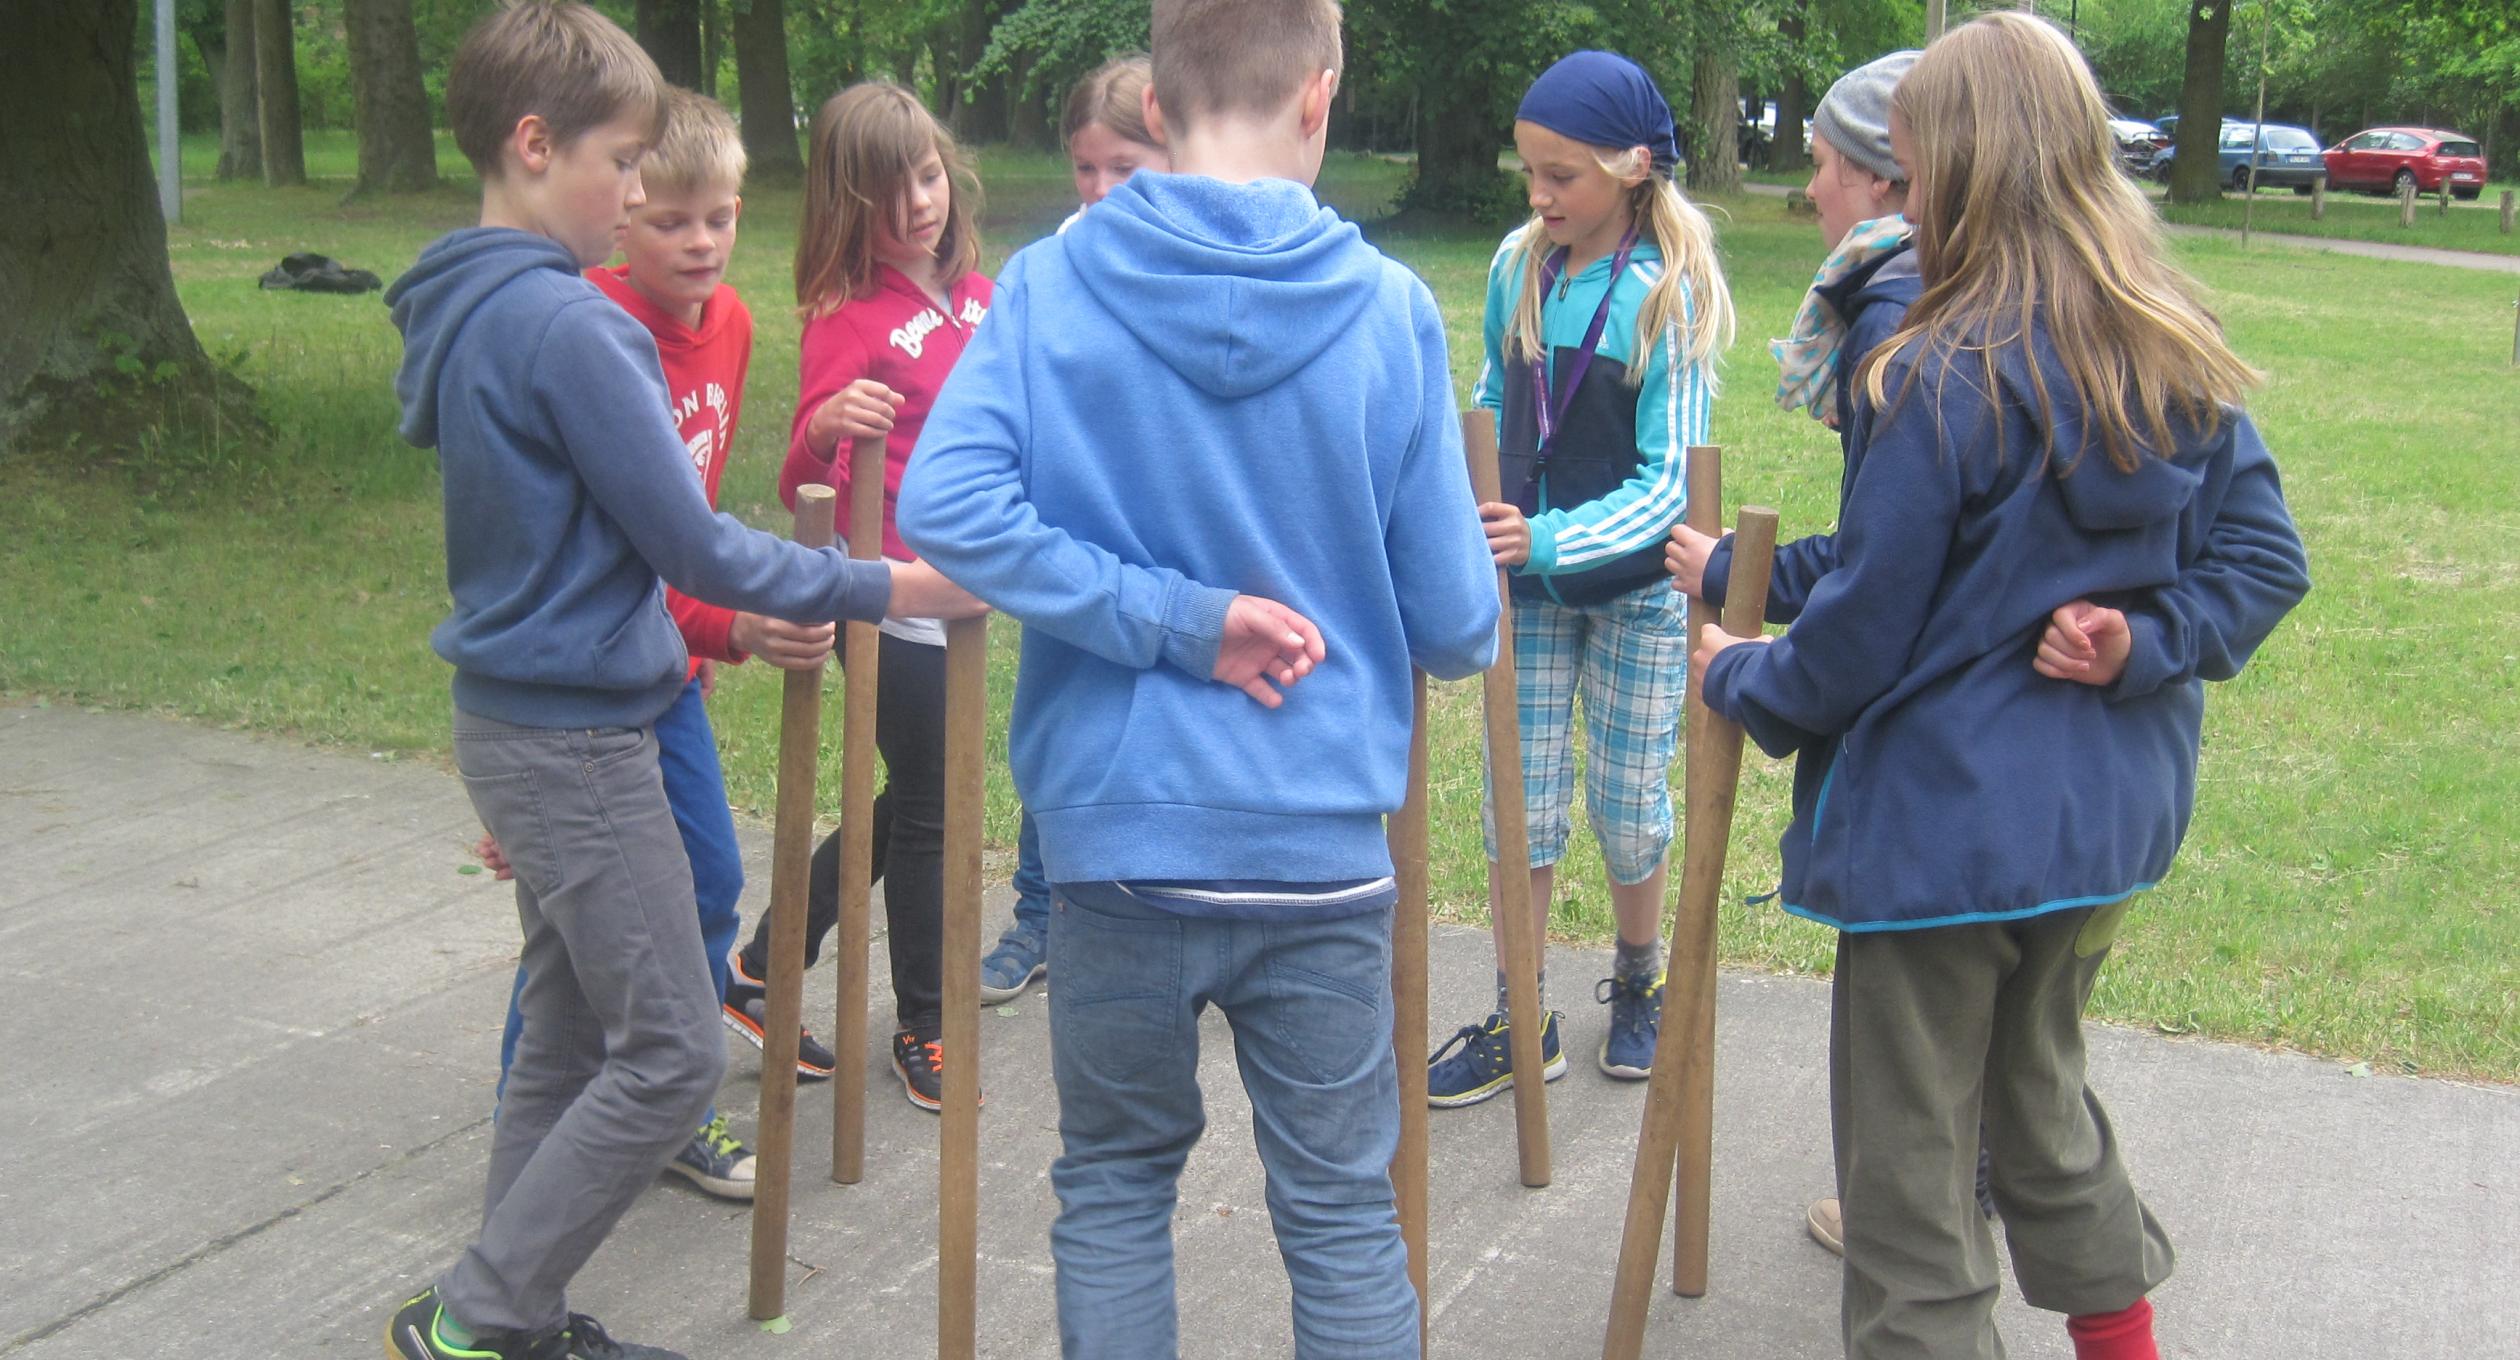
{"x":1689,"y":294}
{"x":866,"y":140}
{"x":2024,"y":222}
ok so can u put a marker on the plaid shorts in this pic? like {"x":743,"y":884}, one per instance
{"x":1629,"y":660}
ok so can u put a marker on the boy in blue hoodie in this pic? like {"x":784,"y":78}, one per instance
{"x":568,"y":492}
{"x":1211,"y":384}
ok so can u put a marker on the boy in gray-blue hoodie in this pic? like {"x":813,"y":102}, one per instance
{"x":1208,"y":385}
{"x":568,"y":493}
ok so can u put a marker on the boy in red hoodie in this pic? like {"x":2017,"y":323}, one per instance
{"x":673,"y":283}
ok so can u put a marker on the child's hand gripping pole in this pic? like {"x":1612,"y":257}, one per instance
{"x":857,"y":827}
{"x":1684,"y":1058}
{"x":958,"y":1151}
{"x":1407,"y":830}
{"x":1516,"y":935}
{"x":791,"y":861}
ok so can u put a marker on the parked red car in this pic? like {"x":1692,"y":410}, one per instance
{"x":2385,"y":159}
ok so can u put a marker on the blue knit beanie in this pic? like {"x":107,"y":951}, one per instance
{"x":1603,"y":99}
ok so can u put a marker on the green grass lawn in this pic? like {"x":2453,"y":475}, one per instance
{"x":2469,"y":225}
{"x":2348,"y":886}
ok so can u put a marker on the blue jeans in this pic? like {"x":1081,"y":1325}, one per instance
{"x":695,"y":788}
{"x":1032,"y":886}
{"x":1310,"y":1006}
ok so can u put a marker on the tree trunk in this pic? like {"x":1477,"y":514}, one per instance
{"x":94,"y":347}
{"x":1793,"y":101}
{"x":981,"y":112}
{"x":1458,"y":138}
{"x":1714,"y":144}
{"x":768,"y":91}
{"x":240,"y":119}
{"x":712,"y":47}
{"x":396,"y":151}
{"x":670,"y":31}
{"x":2196,"y":171}
{"x":276,"y":93}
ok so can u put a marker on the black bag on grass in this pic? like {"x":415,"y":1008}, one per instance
{"x":311,"y":273}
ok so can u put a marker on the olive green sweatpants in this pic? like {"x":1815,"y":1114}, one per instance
{"x":1934,"y":1034}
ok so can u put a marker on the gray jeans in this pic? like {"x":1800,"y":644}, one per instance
{"x":1942,"y":1038}
{"x":621,"y":1052}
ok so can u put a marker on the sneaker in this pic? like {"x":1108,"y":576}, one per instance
{"x":745,"y":1009}
{"x":413,"y":1335}
{"x":1627,"y":1051}
{"x":1825,"y":1226}
{"x":1485,"y":1063}
{"x":1022,"y":958}
{"x":583,"y":1338}
{"x":717,"y":1161}
{"x":920,"y":1063}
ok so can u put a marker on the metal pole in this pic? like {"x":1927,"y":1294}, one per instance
{"x":1936,"y":18}
{"x":170,"y":150}
{"x":2257,"y":131}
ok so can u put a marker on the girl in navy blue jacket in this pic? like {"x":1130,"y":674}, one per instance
{"x":2060,"y":524}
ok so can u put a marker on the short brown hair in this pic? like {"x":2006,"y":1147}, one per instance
{"x":1239,"y":56}
{"x":698,"y":147}
{"x":563,"y":62}
{"x":1114,"y":95}
{"x":858,"y":162}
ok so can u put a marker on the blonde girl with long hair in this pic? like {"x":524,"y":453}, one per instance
{"x":1606,"y":313}
{"x":888,"y":285}
{"x":2059,"y":525}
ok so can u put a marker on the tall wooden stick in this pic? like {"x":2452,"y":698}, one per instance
{"x":1693,"y":936}
{"x":1408,"y":1005}
{"x":958,"y":1152}
{"x":857,"y":830}
{"x":1717,"y":762}
{"x":791,"y":863}
{"x":1517,"y":945}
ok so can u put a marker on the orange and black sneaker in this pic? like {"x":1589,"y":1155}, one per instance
{"x":744,"y":1011}
{"x":921,"y":1065}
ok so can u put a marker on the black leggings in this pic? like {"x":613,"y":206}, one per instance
{"x":909,"y":837}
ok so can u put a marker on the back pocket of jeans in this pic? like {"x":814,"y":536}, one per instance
{"x":1115,"y":988}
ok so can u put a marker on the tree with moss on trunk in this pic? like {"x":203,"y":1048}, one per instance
{"x":276,"y":93}
{"x":397,"y":152}
{"x":96,"y":354}
{"x":2196,"y":169}
{"x":767,"y":91}
{"x":670,"y":31}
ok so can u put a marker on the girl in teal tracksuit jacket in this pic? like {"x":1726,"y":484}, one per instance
{"x":1605,"y":314}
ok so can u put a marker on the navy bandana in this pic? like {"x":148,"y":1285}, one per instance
{"x":1603,"y":99}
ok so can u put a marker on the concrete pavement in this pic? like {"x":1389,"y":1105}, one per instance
{"x":251,"y":1022}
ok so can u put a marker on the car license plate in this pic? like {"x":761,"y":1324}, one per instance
{"x":2462,"y":174}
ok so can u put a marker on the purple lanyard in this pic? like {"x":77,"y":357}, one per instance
{"x":1541,"y":405}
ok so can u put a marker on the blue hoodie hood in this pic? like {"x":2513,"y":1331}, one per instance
{"x":453,"y":277}
{"x":1234,"y":286}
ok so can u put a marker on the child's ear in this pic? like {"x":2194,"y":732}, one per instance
{"x":1319,"y":93}
{"x":1643,"y":159}
{"x":1154,"y":115}
{"x":739,"y":208}
{"x":531,"y":143}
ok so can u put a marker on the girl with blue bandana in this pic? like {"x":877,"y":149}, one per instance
{"x":1605,"y":315}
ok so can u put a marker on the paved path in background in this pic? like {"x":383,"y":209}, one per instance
{"x":2377,"y":250}
{"x":252,"y":1013}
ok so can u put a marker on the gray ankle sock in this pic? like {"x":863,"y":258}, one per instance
{"x":1504,"y":1009}
{"x":1638,"y":960}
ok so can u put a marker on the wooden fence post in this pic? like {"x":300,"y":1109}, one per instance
{"x":2406,"y":204}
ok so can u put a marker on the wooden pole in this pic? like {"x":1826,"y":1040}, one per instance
{"x":2406,"y":204}
{"x":1693,"y":945}
{"x":1517,"y":947}
{"x":1718,"y":771}
{"x":2508,"y":201}
{"x":958,"y":1152}
{"x":791,"y":864}
{"x":2318,"y":199}
{"x":1408,"y":1006}
{"x":2445,"y":195}
{"x":1936,"y":12}
{"x":857,"y":830}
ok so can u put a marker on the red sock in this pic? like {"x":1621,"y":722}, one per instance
{"x":2122,"y":1335}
